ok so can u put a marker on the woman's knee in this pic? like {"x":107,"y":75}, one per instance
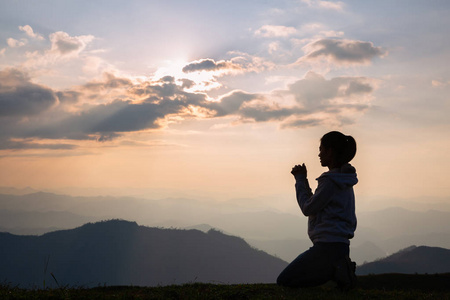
{"x":287,"y":279}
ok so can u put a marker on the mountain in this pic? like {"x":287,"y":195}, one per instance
{"x":420,"y":260}
{"x":366,"y":252}
{"x":286,"y":249}
{"x":122,"y":253}
{"x":35,"y":222}
{"x":15,"y":191}
{"x":180,"y":213}
{"x":395,"y":221}
{"x":283,"y":234}
{"x":289,"y":249}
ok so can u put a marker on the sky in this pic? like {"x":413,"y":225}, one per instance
{"x":219,"y":99}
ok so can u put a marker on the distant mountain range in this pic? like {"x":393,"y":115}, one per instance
{"x":411,"y":260}
{"x":284,"y":235}
{"x":122,"y":253}
{"x":170,"y":212}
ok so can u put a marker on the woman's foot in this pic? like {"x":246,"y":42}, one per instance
{"x":344,"y":273}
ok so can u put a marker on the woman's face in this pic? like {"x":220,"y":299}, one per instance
{"x":325,"y":156}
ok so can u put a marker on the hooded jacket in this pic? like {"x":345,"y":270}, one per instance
{"x":331,"y":209}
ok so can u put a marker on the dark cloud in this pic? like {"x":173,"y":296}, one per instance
{"x":336,"y":100}
{"x":104,"y":122}
{"x":65,"y":46}
{"x":356,"y":87}
{"x":121,"y":116}
{"x":187,"y":83}
{"x":301,"y":123}
{"x":20,"y":97}
{"x":146,"y":105}
{"x":343,"y":51}
{"x":22,"y":145}
{"x":314,"y":91}
{"x":108,"y":137}
{"x":101,"y":122}
{"x":170,"y":79}
{"x":166,"y":87}
{"x":47,"y":118}
{"x":231,"y":103}
{"x":110,"y":82}
{"x":209,"y":65}
{"x":68,"y":97}
{"x":264,"y":113}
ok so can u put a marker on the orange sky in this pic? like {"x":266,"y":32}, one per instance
{"x":159,"y":102}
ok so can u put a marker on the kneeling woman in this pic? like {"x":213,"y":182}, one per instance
{"x":331,"y":217}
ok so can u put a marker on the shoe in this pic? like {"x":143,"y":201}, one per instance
{"x":344,"y":273}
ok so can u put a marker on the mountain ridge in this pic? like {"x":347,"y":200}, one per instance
{"x":118,"y":252}
{"x":278,"y":233}
{"x":411,"y":260}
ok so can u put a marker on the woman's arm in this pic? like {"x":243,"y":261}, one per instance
{"x":310,"y":203}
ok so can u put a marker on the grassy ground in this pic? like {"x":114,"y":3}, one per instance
{"x":390,"y":286}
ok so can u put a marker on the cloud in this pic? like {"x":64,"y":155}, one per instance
{"x":78,"y":115}
{"x":23,"y":145}
{"x":209,"y":65}
{"x":68,"y":97}
{"x":273,"y":47}
{"x":2,"y":51}
{"x":19,"y":97}
{"x":63,"y":48}
{"x":331,"y":33}
{"x":439,"y":83}
{"x":187,"y":83}
{"x":231,"y":103}
{"x":314,"y":91}
{"x":105,"y":122}
{"x":342,"y":51}
{"x":66,"y":45}
{"x":249,"y":107}
{"x":317,"y":101}
{"x":239,"y":62}
{"x":94,"y":65}
{"x":29,"y":31}
{"x":110,"y":81}
{"x":13,"y":43}
{"x":270,"y":31}
{"x":302,"y":123}
{"x":337,"y":6}
{"x":106,"y":109}
{"x":339,"y":100}
{"x":264,"y":112}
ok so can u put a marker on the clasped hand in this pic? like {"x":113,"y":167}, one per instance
{"x":299,"y":169}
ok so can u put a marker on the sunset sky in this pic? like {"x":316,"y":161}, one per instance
{"x":220,"y":99}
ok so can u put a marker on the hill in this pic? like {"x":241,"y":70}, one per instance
{"x":388,"y":286}
{"x":412,"y":260}
{"x":123,"y":253}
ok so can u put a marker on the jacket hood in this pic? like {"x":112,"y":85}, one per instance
{"x":343,"y":177}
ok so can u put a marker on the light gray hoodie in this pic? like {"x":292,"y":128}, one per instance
{"x":331,"y":209}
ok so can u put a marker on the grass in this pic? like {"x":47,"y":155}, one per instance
{"x":388,"y":286}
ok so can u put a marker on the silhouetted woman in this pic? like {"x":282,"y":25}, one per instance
{"x":331,"y":217}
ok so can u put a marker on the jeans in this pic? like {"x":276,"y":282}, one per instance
{"x":313,"y":267}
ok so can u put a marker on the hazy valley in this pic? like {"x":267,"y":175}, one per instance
{"x":379,"y":233}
